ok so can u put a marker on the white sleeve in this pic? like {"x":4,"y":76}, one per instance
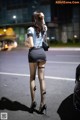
{"x":30,"y":31}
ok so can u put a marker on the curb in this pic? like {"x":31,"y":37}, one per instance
{"x":66,"y":49}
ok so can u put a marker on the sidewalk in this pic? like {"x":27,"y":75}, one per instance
{"x":66,"y":48}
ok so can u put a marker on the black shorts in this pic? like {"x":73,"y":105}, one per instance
{"x":36,"y":55}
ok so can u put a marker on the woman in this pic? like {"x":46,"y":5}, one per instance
{"x":37,"y":58}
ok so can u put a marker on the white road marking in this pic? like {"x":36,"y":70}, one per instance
{"x":66,"y":49}
{"x":63,"y":62}
{"x":27,"y":75}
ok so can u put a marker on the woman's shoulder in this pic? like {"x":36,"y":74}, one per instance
{"x":31,"y":28}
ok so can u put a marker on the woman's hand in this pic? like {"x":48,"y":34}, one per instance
{"x":29,"y":42}
{"x":44,"y":28}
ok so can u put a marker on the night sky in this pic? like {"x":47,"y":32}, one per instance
{"x":58,"y":11}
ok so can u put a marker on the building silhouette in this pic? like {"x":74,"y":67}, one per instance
{"x":62,"y":19}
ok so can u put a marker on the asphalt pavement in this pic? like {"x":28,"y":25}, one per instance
{"x":15,"y":97}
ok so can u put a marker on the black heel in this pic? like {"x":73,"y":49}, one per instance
{"x":33,"y":106}
{"x":42,"y":109}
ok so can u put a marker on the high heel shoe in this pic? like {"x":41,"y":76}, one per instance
{"x":42,"y":109}
{"x":33,"y":106}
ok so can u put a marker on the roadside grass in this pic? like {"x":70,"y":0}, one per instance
{"x":59,"y":44}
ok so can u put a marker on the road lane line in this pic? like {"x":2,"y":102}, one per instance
{"x":59,"y":78}
{"x":27,"y":75}
{"x":63,"y":62}
{"x":14,"y":74}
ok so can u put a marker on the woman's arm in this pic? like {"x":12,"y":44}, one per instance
{"x":45,"y":33}
{"x":29,"y":42}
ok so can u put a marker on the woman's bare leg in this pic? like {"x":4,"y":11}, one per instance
{"x":41,"y":67}
{"x":32,"y":80}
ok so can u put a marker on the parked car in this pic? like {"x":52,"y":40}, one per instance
{"x":7,"y":44}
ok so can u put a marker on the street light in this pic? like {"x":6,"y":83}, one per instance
{"x":15,"y":18}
